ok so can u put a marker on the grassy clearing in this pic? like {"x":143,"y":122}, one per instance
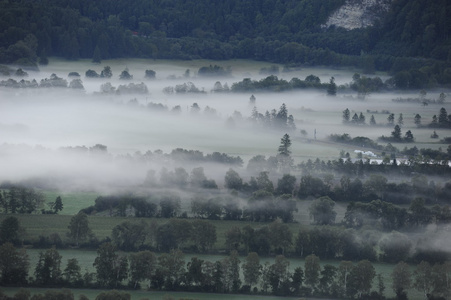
{"x":139,"y":295}
{"x":73,"y":202}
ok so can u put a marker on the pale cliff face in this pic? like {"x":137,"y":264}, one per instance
{"x":358,"y":13}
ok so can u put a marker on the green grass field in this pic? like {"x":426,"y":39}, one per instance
{"x":72,"y":201}
{"x":154,"y":295}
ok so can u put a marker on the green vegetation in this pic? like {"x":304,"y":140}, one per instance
{"x":415,"y":53}
{"x":335,"y":227}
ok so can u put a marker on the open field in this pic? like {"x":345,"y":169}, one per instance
{"x":154,"y":295}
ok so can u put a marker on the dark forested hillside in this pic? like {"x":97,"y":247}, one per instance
{"x":287,"y":31}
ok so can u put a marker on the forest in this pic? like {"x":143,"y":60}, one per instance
{"x":288,"y":32}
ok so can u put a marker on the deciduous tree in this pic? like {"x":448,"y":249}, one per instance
{"x":312,"y":270}
{"x":111,"y":268}
{"x":361,"y":279}
{"x":322,"y":211}
{"x":9,"y":230}
{"x":142,"y":266}
{"x":14,"y":265}
{"x":48,"y":269}
{"x":423,"y":280}
{"x":401,"y":279}
{"x":252,"y":269}
{"x":79,"y":228}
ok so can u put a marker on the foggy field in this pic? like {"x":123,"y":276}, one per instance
{"x":37,"y":123}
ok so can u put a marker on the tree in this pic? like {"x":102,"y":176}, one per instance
{"x":142,"y":267}
{"x":194,"y":274}
{"x":125,"y":75}
{"x":408,"y":137}
{"x":391,"y":119}
{"x":233,"y":180}
{"x":129,"y":236}
{"x":203,"y":234}
{"x":361,"y":118}
{"x":14,"y":265}
{"x":279,"y":276}
{"x":233,"y":238}
{"x":361,"y":278}
{"x":197,"y":177}
{"x":252,"y":269}
{"x":344,"y":271}
{"x":195,"y":109}
{"x":72,"y":273}
{"x":172,"y":268}
{"x":9,"y":230}
{"x":423,"y":278}
{"x":285,"y":144}
{"x":326,"y":282}
{"x":312,"y":270}
{"x":48,"y":268}
{"x":322,"y":211}
{"x":106,"y":72}
{"x":396,"y":133}
{"x":79,"y":228}
{"x":111,"y":268}
{"x":372,"y":120}
{"x":264,"y":183}
{"x":434,"y":122}
{"x":441,"y":274}
{"x":252,"y":100}
{"x":280,"y":235}
{"x":58,"y":205}
{"x":395,"y":246}
{"x":170,"y":206}
{"x":417,"y":120}
{"x":401,"y":279}
{"x":332,"y":87}
{"x":150,"y":74}
{"x":286,"y":185}
{"x":400,"y":120}
{"x":443,"y":118}
{"x":281,"y":117}
{"x":231,"y":269}
{"x":346,"y":116}
{"x":296,"y":280}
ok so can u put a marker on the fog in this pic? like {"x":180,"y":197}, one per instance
{"x":36,"y":123}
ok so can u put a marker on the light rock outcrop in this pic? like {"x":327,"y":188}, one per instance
{"x":358,"y":13}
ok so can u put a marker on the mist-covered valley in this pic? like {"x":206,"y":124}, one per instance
{"x":39,"y":125}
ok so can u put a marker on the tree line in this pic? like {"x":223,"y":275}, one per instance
{"x":170,"y":272}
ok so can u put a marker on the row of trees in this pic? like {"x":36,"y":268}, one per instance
{"x":279,"y":120}
{"x":23,"y":200}
{"x":274,"y":84}
{"x":328,"y":242}
{"x":169,"y":271}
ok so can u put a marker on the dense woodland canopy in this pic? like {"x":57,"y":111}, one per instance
{"x":287,"y":32}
